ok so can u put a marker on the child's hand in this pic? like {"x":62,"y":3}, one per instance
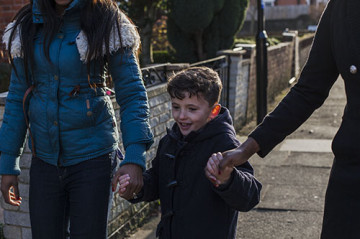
{"x":124,"y":180}
{"x":213,"y":172}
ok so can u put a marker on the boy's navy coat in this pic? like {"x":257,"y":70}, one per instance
{"x":191,"y":206}
{"x":335,"y":50}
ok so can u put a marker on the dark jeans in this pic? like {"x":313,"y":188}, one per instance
{"x":78,"y":194}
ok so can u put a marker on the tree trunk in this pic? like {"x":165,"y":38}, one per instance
{"x":199,"y":45}
{"x":253,"y":13}
{"x":146,"y":49}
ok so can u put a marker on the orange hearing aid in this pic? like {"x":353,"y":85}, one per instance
{"x":215,"y":111}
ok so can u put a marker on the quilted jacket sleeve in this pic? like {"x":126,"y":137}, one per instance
{"x":13,"y":128}
{"x":243,"y":191}
{"x":134,"y":109}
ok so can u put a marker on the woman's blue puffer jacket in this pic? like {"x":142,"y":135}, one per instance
{"x":70,"y":128}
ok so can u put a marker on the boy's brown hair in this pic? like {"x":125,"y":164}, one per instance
{"x":195,"y":81}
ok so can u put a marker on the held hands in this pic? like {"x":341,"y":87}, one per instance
{"x":131,"y":175}
{"x":124,"y":181}
{"x":239,"y":155}
{"x":213,"y":172}
{"x":219,"y":165}
{"x":10,"y":189}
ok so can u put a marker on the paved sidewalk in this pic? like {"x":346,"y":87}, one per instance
{"x":294,"y":177}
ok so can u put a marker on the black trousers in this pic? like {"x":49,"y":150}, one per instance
{"x":342,"y":201}
{"x":70,"y":201}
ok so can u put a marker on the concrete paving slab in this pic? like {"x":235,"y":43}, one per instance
{"x":323,"y":160}
{"x":291,"y":197}
{"x":306,"y":145}
{"x":296,"y":176}
{"x":311,"y":131}
{"x":288,"y":158}
{"x":262,"y":224}
{"x":278,"y":159}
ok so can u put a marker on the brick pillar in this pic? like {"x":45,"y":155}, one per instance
{"x":238,"y":85}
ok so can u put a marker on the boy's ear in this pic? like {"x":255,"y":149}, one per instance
{"x":215,"y":111}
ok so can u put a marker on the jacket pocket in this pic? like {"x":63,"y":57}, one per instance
{"x":99,"y":110}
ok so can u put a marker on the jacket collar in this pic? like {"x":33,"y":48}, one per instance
{"x":38,"y":15}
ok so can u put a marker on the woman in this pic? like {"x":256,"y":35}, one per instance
{"x":62,"y":53}
{"x":335,"y":51}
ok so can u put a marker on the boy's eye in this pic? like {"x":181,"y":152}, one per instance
{"x":192,"y":109}
{"x":175,"y":107}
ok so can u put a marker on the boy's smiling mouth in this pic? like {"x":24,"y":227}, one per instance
{"x":184,"y":126}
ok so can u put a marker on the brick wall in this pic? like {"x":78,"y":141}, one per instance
{"x":304,"y":49}
{"x":280,"y":69}
{"x":8,"y":9}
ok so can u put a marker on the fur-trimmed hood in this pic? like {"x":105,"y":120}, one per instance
{"x":129,"y":35}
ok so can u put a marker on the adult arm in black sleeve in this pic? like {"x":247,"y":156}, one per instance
{"x":318,"y":76}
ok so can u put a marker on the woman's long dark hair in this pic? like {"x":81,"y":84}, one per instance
{"x":97,"y":19}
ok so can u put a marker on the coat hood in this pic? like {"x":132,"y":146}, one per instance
{"x":219,"y":125}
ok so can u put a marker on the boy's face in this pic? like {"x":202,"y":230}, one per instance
{"x":190,"y":113}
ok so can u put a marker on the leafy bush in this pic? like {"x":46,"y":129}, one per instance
{"x":163,"y":57}
{"x":159,"y":36}
{"x":197,"y":29}
{"x":246,"y":40}
{"x":273,"y":41}
{"x":251,"y":40}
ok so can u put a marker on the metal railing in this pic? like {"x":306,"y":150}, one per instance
{"x":154,"y":75}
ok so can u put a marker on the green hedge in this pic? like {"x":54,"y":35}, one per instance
{"x":163,"y":57}
{"x":251,"y":40}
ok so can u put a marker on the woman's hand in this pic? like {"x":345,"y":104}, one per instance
{"x":239,"y":155}
{"x":135,"y":184}
{"x":10,"y":189}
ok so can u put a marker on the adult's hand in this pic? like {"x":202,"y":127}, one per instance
{"x":136,"y":179}
{"x":212,"y":171}
{"x":239,"y":155}
{"x":10,"y":189}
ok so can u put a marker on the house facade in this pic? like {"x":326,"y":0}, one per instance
{"x":291,"y":2}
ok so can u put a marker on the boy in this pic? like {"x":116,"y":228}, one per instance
{"x":191,"y":205}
